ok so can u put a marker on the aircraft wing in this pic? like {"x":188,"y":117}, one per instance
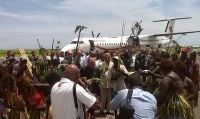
{"x":177,"y":33}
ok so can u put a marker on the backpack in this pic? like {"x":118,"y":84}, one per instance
{"x":75,"y":100}
{"x":126,"y":110}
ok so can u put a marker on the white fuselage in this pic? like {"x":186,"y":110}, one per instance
{"x":114,"y":43}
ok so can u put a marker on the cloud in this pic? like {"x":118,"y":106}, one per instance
{"x":34,"y":1}
{"x":26,"y":17}
{"x":44,"y":19}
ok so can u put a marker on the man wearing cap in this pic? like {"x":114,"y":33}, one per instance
{"x":144,"y":103}
{"x":116,"y":74}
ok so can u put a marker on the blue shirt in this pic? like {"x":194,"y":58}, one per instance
{"x":143,"y":102}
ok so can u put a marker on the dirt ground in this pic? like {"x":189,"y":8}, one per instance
{"x":197,"y":110}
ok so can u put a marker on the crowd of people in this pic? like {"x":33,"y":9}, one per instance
{"x":80,"y":85}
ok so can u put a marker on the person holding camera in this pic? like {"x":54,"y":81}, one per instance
{"x":134,"y":102}
{"x":68,"y":96}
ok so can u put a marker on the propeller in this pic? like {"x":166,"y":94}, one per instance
{"x":92,"y":45}
{"x":92,"y":34}
{"x":97,"y":34}
{"x":136,"y":30}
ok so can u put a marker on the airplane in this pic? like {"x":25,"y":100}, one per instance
{"x":86,"y":44}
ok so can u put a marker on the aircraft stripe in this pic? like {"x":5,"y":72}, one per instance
{"x":102,"y":48}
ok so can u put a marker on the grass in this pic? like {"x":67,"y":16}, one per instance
{"x":17,"y":54}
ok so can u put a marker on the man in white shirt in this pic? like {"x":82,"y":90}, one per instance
{"x":62,"y":99}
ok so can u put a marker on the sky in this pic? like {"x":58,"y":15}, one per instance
{"x":22,"y":22}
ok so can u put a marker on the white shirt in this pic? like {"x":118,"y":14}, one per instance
{"x":98,"y":63}
{"x":61,"y":59}
{"x":82,"y":60}
{"x":105,"y":76}
{"x":133,"y":61}
{"x":62,"y":100}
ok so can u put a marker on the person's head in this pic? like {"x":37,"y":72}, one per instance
{"x":98,"y":55}
{"x":13,"y":54}
{"x":91,"y":62}
{"x":61,"y":54}
{"x":92,"y":54}
{"x":52,"y":78}
{"x":55,"y":62}
{"x":102,"y":56}
{"x":107,"y":58}
{"x":115,"y":53}
{"x":23,"y":61}
{"x":57,"y":54}
{"x":8,"y":53}
{"x":70,"y":54}
{"x":33,"y":53}
{"x":115,"y":61}
{"x":72,"y":72}
{"x":146,"y":50}
{"x":164,"y":55}
{"x":132,"y":51}
{"x":78,"y":53}
{"x":134,"y":80}
{"x":166,"y":66}
{"x":183,"y":57}
{"x":180,"y":69}
{"x":193,"y":56}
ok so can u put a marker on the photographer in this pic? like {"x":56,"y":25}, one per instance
{"x":64,"y":100}
{"x":144,"y":104}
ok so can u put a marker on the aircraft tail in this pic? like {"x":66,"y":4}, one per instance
{"x":170,"y":24}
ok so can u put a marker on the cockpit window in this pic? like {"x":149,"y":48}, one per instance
{"x":75,"y":42}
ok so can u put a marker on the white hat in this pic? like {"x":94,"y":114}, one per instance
{"x":116,"y":57}
{"x":48,"y":57}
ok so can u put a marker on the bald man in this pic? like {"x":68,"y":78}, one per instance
{"x":62,"y":99}
{"x":69,"y":56}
